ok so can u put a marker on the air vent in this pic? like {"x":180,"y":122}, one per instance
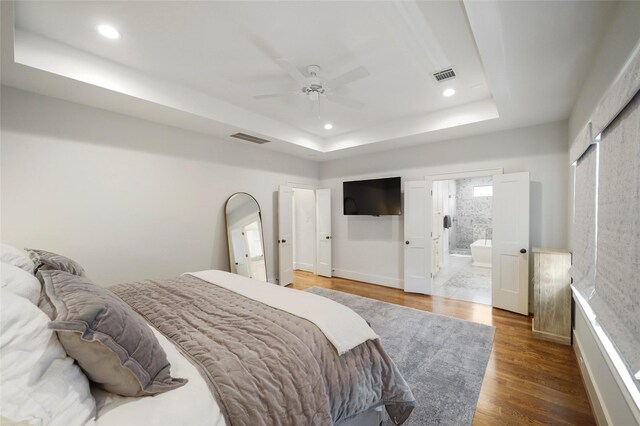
{"x":443,"y":75}
{"x":249,"y":138}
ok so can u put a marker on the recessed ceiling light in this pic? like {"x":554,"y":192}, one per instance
{"x":108,"y":31}
{"x":449,"y":92}
{"x":328,"y":126}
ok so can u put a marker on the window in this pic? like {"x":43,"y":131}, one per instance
{"x":483,"y":191}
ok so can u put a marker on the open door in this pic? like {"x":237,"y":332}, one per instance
{"x":285,"y":234}
{"x":510,"y":257}
{"x":323,"y":220}
{"x":417,"y":236}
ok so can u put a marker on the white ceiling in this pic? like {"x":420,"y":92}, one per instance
{"x":198,"y":64}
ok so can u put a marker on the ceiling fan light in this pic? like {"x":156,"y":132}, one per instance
{"x":328,"y":126}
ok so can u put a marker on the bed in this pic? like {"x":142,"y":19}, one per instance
{"x":239,"y":352}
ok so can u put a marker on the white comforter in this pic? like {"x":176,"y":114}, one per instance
{"x":343,"y":328}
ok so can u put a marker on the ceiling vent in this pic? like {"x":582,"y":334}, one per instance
{"x":443,"y":75}
{"x":249,"y":138}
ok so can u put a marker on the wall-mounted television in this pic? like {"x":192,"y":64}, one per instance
{"x":372,"y":197}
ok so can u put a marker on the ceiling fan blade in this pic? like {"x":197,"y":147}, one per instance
{"x":293,"y":72}
{"x":348,"y":77}
{"x":275,"y":95}
{"x":347,"y":102}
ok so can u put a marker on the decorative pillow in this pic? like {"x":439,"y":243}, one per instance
{"x":40,"y":383}
{"x":109,"y":340}
{"x":16,"y":257}
{"x":20,"y":282}
{"x":47,"y":260}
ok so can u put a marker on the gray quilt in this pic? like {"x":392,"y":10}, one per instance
{"x":265,"y":366}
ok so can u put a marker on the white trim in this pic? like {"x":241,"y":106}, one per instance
{"x":616,"y":365}
{"x":602,"y":417}
{"x":466,"y":174}
{"x":368,"y":278}
{"x":294,"y":185}
{"x":309,"y":267}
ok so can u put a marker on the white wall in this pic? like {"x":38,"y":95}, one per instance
{"x":371,"y":248}
{"x":127,"y":198}
{"x":304,"y":239}
{"x":618,"y":42}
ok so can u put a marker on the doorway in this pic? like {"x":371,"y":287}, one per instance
{"x":304,"y":229}
{"x":461,"y":251}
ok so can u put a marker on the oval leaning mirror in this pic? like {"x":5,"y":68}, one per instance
{"x":244,"y":234}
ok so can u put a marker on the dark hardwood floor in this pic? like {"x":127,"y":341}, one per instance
{"x":528,"y":381}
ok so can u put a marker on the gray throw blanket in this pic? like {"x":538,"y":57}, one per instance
{"x":263,"y":365}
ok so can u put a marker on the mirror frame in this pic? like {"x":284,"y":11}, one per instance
{"x":226,"y":231}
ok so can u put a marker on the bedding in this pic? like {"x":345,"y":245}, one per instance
{"x":20,"y":282}
{"x":111,"y":343}
{"x":41,"y":385}
{"x":329,"y":316}
{"x":188,"y":405}
{"x":46,"y":260}
{"x":265,"y":365}
{"x":16,"y":257}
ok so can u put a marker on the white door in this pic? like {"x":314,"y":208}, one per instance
{"x":285,"y":235}
{"x":510,"y":256}
{"x":323,"y":220}
{"x":417,"y":236}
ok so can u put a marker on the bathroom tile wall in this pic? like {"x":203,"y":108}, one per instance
{"x":472,"y":220}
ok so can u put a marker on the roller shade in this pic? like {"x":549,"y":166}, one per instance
{"x":583,"y":239}
{"x":616,"y":302}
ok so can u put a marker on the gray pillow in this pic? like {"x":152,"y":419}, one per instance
{"x":47,"y":260}
{"x":108,"y":339}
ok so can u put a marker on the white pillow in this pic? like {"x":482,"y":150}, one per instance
{"x":20,"y":282}
{"x":41,"y":385}
{"x":16,"y":257}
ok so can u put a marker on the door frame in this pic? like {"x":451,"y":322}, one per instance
{"x":460,"y":175}
{"x":466,"y":174}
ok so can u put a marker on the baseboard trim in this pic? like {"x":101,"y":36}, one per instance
{"x":368,"y":278}
{"x":309,"y":267}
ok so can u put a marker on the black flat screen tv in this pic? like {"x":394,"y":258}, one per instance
{"x":373,"y":197}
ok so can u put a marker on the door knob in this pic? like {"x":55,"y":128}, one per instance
{"x":407,"y":242}
{"x":328,"y":237}
{"x":284,"y":241}
{"x":523,"y":251}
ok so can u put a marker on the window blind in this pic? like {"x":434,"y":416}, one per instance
{"x":616,"y":302}
{"x":583,"y":239}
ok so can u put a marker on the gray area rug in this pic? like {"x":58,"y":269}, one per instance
{"x":443,"y":359}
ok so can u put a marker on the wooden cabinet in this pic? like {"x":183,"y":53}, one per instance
{"x":552,"y":295}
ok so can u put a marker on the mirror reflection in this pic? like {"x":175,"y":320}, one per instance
{"x":244,"y":234}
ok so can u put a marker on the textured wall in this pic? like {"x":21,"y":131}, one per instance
{"x":472,"y":220}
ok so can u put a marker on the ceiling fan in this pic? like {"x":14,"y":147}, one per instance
{"x":314,"y":88}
